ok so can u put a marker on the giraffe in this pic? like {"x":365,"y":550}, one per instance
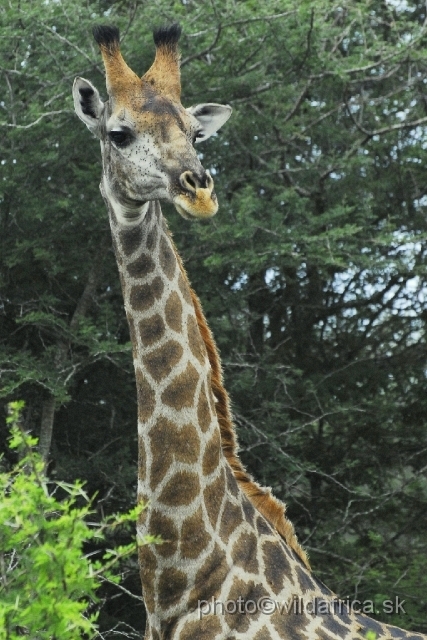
{"x":230,"y":566}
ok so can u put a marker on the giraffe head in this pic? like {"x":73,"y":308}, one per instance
{"x":147,"y":136}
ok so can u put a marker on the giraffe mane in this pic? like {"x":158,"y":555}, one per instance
{"x":273,"y":510}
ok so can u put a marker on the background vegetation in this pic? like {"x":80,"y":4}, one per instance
{"x":48,"y":584}
{"x":312,"y":275}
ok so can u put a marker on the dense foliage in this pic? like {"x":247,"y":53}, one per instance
{"x":48,"y":585}
{"x":311,"y":275}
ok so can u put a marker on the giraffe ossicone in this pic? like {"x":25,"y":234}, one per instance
{"x":224,"y":570}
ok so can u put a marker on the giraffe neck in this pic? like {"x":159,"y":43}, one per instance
{"x":217,"y":548}
{"x":178,"y":434}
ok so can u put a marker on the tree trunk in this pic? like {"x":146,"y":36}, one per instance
{"x":46,"y":429}
{"x":82,"y":307}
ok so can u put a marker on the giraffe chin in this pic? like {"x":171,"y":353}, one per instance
{"x":182,"y":212}
{"x":203,"y":207}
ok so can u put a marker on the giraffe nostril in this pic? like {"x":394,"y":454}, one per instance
{"x":189,"y":181}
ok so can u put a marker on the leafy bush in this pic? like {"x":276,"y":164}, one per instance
{"x":48,"y":584}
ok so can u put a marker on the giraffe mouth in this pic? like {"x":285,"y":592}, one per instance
{"x":201,"y":204}
{"x":185,"y":214}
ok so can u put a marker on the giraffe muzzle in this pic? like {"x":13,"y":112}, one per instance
{"x":197,"y":198}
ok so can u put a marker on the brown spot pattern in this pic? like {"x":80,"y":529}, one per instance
{"x":211,"y":456}
{"x":213,"y":496}
{"x":210,"y":577}
{"x":184,"y":287}
{"x":322,"y":635}
{"x":204,"y":629}
{"x":143,"y":502}
{"x":167,"y":627}
{"x":146,"y":397}
{"x":151,"y":633}
{"x":231,"y":518}
{"x":262,"y":526}
{"x":142,"y":460}
{"x":147,"y":565}
{"x":276,"y":565}
{"x":181,"y":489}
{"x":204,"y":415}
{"x":167,"y":258}
{"x":331,"y":624}
{"x":132,"y":335}
{"x":130,"y":239}
{"x":141,"y":297}
{"x":244,"y":552}
{"x":195,"y":340}
{"x":172,"y":583}
{"x":173,"y":312}
{"x":262,"y":634}
{"x":241,"y":619}
{"x":248,"y":510}
{"x":304,"y":580}
{"x":151,"y":239}
{"x":151,"y":329}
{"x":160,"y":362}
{"x":172,"y":443}
{"x":140,"y":267}
{"x":180,"y":392}
{"x":162,"y":526}
{"x":194,"y":537}
{"x":292,"y":625}
{"x":122,"y":281}
{"x":157,"y":287}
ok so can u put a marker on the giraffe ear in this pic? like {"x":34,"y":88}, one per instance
{"x":211,"y":117}
{"x":88,"y":104}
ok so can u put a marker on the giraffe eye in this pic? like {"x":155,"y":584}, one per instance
{"x":120,"y":138}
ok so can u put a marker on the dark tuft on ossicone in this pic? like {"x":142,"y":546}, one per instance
{"x":106,"y":36}
{"x":167,"y":36}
